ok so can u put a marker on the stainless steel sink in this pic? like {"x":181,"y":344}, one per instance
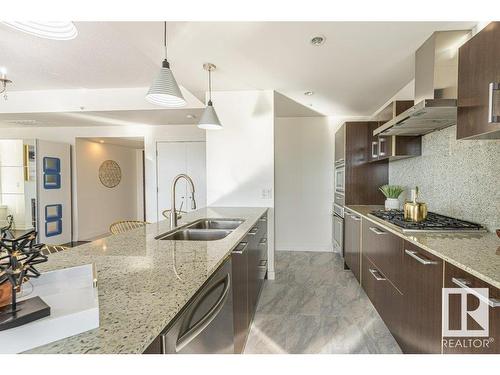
{"x":229,"y":224}
{"x":187,"y":234}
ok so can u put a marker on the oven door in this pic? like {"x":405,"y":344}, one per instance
{"x":339,"y":179}
{"x":338,"y":234}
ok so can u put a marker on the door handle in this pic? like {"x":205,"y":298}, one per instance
{"x":492,"y":118}
{"x":376,"y":274}
{"x":464,"y":284}
{"x":240,"y":249}
{"x":418,"y":258}
{"x":377,"y":231}
{"x":198,"y":328}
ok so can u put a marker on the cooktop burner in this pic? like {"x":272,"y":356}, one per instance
{"x":433,"y":223}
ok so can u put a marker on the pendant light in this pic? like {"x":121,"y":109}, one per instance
{"x":209,"y":120}
{"x":165,"y":91}
{"x":56,"y":30}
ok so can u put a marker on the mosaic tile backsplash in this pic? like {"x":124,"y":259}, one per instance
{"x":459,"y":178}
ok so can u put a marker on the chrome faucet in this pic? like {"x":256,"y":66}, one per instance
{"x":173,"y":211}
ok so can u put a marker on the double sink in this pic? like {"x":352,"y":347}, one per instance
{"x":202,"y":230}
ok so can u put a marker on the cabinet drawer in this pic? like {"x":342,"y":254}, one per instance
{"x":423,"y":281}
{"x":384,"y":249}
{"x":457,"y":278}
{"x":384,"y":296}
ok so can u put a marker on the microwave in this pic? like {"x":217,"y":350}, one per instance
{"x":339,"y":179}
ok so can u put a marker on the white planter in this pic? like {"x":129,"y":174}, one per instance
{"x":392,"y":204}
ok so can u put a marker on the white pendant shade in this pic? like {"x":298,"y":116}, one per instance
{"x":57,"y":30}
{"x":209,"y":120}
{"x":165,"y":91}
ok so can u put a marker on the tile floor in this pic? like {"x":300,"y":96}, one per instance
{"x":314,"y":306}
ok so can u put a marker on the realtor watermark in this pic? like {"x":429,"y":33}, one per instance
{"x":468,"y":326}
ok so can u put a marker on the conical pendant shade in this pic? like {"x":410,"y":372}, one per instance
{"x":165,"y":91}
{"x":209,"y":120}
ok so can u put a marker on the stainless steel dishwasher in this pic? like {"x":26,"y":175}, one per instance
{"x":205,"y":325}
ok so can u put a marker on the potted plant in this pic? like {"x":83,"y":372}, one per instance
{"x":391,"y":193}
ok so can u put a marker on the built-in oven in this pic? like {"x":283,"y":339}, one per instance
{"x":338,"y":228}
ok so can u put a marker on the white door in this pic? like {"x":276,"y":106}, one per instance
{"x":54,"y":192}
{"x":174,"y":158}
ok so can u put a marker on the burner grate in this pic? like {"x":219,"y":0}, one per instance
{"x":432,"y":222}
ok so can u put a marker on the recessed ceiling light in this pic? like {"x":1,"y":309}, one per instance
{"x":57,"y":30}
{"x":318,"y":40}
{"x":309,"y":93}
{"x":190,"y":116}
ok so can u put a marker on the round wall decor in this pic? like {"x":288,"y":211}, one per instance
{"x":110,"y":173}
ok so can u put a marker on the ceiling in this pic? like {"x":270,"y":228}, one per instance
{"x":130,"y":142}
{"x":99,"y":118}
{"x":354,"y":72}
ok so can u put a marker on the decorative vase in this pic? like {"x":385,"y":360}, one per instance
{"x":391,"y":204}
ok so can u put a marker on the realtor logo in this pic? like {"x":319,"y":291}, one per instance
{"x":477,"y":317}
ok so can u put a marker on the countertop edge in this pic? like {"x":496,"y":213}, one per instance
{"x":472,"y":271}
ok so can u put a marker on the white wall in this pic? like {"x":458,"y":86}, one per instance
{"x":240,"y":157}
{"x":151,"y":134}
{"x":98,"y":205}
{"x":304,"y":183}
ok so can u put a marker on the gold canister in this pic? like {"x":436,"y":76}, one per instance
{"x":413,"y":210}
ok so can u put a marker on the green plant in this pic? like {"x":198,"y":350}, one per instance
{"x":391,"y":191}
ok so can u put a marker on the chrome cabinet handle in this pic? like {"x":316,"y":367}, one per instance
{"x":339,"y":161}
{"x":254,"y":231}
{"x":374,"y":152}
{"x":352,"y":216}
{"x":263,"y":241}
{"x":263,"y":219}
{"x":492,"y":118}
{"x":198,"y":328}
{"x":377,"y":231}
{"x":240,"y":249}
{"x":263,"y":263}
{"x":463,"y":283}
{"x":380,"y":141}
{"x":376,"y":274}
{"x":415,"y":256}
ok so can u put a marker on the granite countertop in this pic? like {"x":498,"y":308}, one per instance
{"x":143,"y":283}
{"x":476,"y":253}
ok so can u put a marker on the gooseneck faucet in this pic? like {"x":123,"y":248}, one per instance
{"x":173,"y":210}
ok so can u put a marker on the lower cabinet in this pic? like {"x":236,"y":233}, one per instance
{"x":386,"y":298}
{"x":423,"y":280}
{"x":352,"y":243}
{"x":489,"y":343}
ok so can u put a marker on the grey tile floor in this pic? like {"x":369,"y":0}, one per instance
{"x":314,"y":306}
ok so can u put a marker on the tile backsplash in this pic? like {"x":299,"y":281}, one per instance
{"x":459,"y":178}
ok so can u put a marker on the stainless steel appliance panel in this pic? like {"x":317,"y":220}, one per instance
{"x":206,"y":324}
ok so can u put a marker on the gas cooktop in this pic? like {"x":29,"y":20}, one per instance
{"x":433,"y":223}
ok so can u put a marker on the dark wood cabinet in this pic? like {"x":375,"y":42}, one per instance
{"x":352,"y":242}
{"x":362,"y":178}
{"x":457,"y":278}
{"x":423,"y":280}
{"x":384,"y":249}
{"x":386,"y":298}
{"x":393,"y":147}
{"x":478,"y":113}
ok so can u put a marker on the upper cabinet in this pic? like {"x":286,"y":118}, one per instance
{"x":393,"y":147}
{"x":478,"y":115}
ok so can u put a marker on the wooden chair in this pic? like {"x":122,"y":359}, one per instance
{"x":51,"y":249}
{"x":126,"y":225}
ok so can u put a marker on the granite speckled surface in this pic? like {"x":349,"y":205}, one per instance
{"x":143,"y":282}
{"x":458,"y":178}
{"x":478,"y":254}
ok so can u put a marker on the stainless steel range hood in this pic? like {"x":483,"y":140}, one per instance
{"x":436,"y":76}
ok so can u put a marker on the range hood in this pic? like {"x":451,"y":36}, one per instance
{"x":436,"y":77}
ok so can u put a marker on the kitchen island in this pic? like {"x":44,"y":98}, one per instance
{"x":144,"y":282}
